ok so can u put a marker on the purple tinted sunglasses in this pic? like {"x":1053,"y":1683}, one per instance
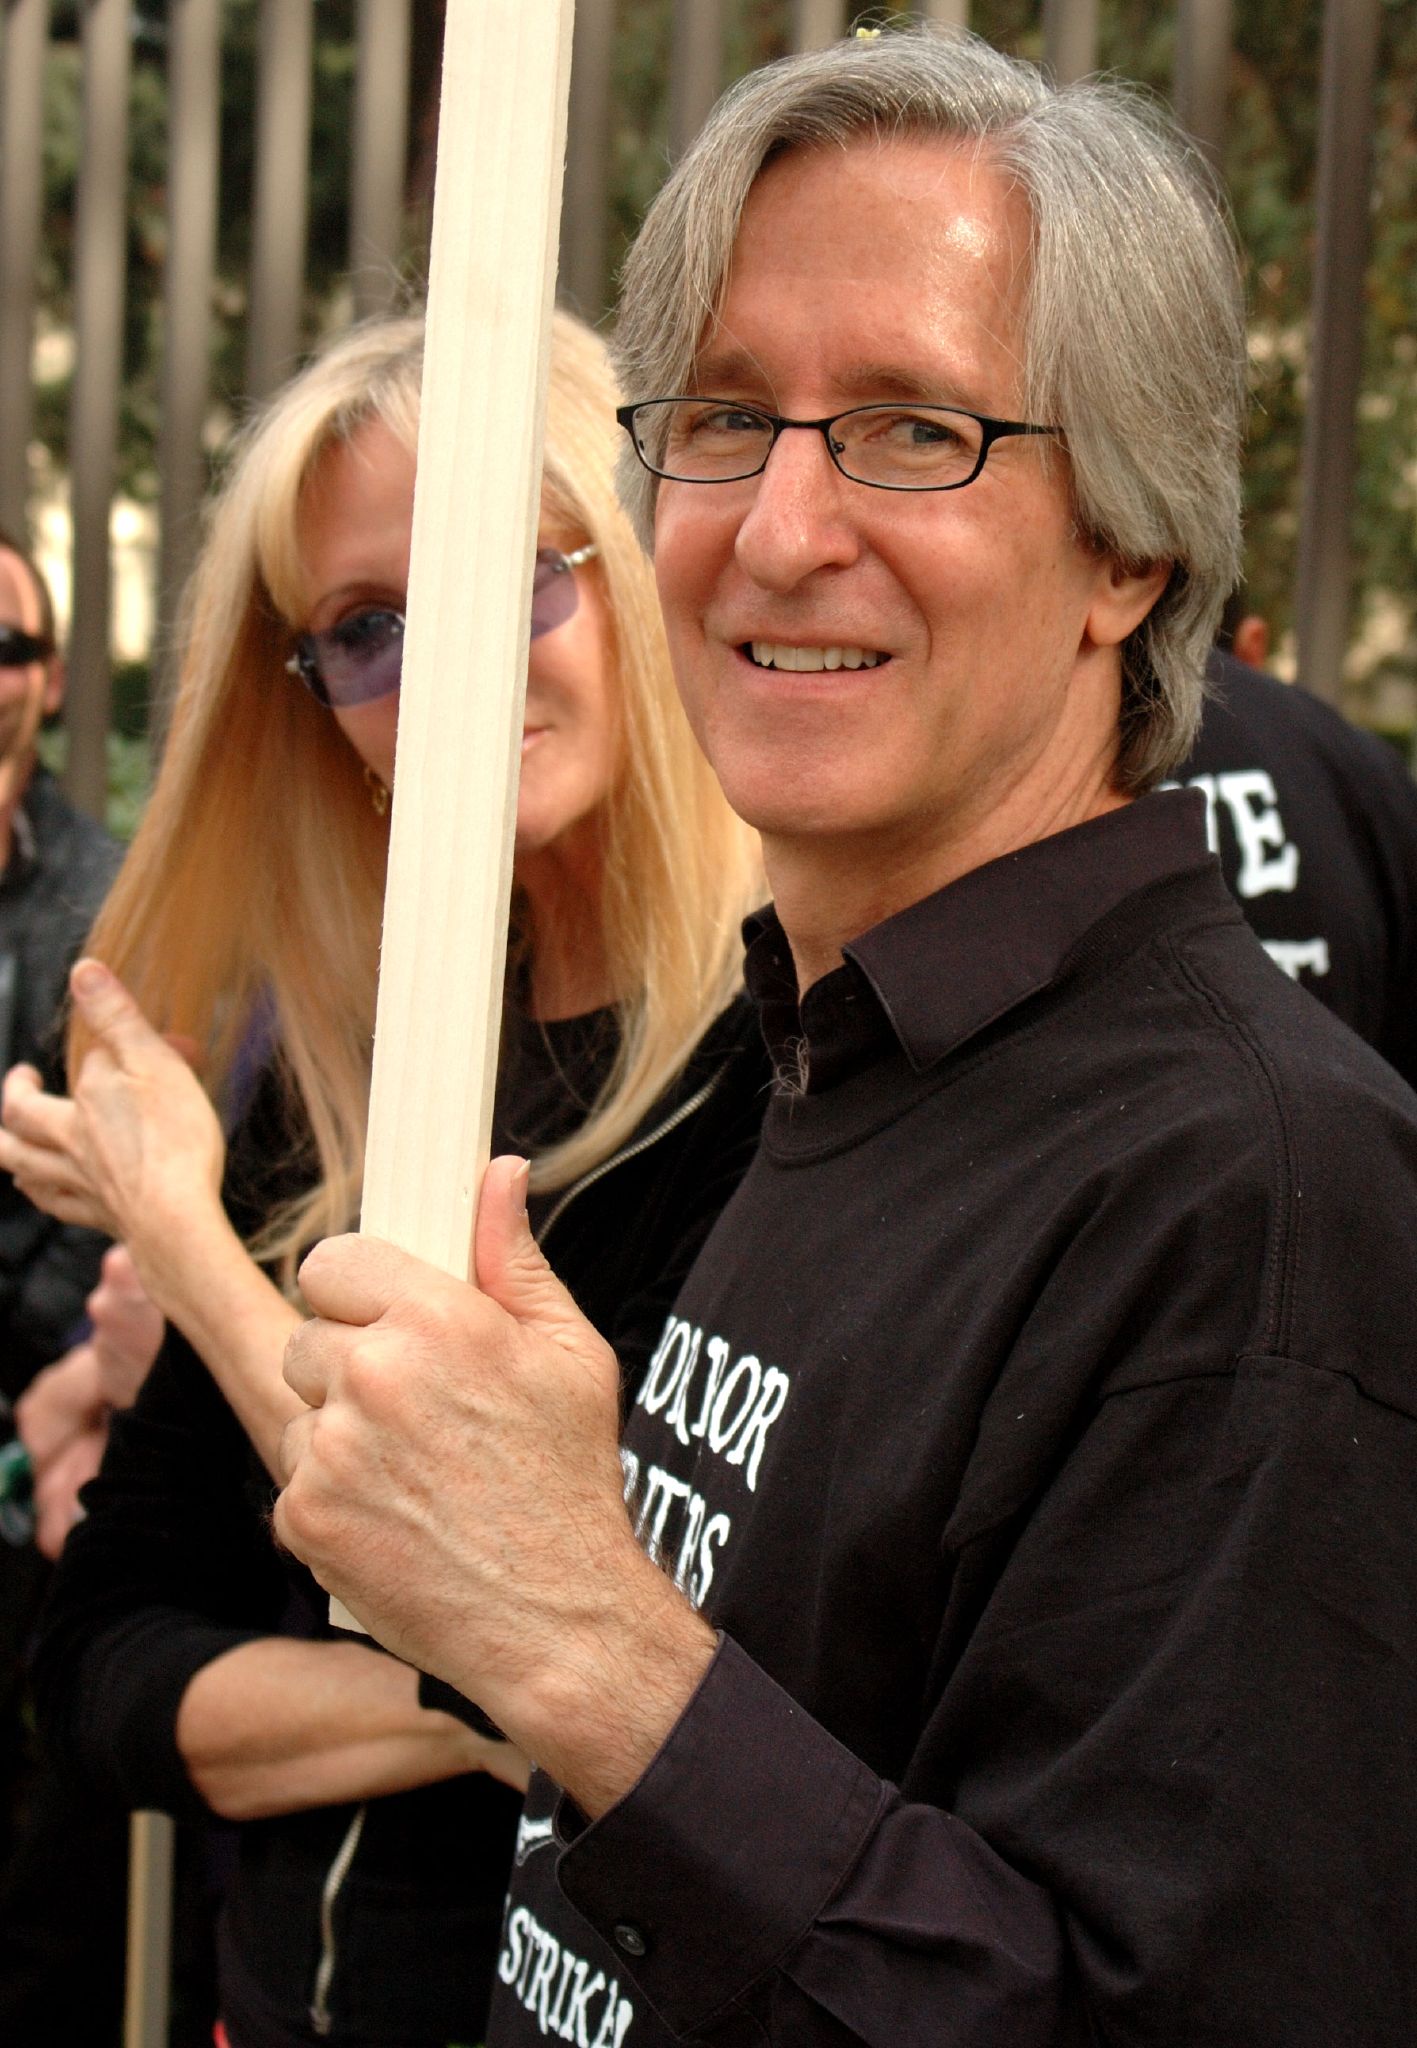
{"x":361,"y":658}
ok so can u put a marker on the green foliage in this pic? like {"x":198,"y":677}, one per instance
{"x":129,"y":775}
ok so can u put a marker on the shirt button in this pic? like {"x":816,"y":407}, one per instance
{"x":630,"y":1939}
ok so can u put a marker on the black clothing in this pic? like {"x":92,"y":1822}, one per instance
{"x":59,"y":870}
{"x":62,"y":1860}
{"x":1038,"y":1427}
{"x":174,"y":1565}
{"x":1315,"y":823}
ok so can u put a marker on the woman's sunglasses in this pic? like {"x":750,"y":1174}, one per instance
{"x":19,"y":648}
{"x":361,"y":659}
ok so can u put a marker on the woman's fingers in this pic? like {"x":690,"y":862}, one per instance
{"x":30,"y":1112}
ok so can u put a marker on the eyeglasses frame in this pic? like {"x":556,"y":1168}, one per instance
{"x":994,"y":430}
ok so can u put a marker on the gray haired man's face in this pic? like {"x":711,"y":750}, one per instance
{"x":897,"y":669}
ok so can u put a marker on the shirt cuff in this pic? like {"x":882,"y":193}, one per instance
{"x":714,"y":1866}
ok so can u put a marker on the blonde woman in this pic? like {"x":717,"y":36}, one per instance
{"x":187,"y":1662}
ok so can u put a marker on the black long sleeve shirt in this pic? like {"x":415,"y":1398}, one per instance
{"x":1038,"y":1428}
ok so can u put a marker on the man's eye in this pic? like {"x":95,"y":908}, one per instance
{"x":905,"y":430}
{"x":725,"y":420}
{"x":363,"y":632}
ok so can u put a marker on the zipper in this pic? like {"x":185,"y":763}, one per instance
{"x":334,"y":1877}
{"x":671,"y":1123}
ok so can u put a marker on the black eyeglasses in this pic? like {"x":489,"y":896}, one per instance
{"x":361,"y":659}
{"x":889,"y":447}
{"x":19,"y":648}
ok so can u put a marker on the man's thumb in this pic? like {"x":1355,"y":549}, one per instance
{"x":508,"y":1262}
{"x":109,"y":1011}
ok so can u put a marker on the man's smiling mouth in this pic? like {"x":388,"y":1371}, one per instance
{"x":803,"y":660}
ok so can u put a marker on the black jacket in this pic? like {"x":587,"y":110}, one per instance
{"x":58,"y":874}
{"x":174,"y":1565}
{"x":1315,"y":823}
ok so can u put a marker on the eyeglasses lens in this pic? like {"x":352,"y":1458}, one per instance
{"x":19,"y":648}
{"x":355,"y":662}
{"x":554,"y":596}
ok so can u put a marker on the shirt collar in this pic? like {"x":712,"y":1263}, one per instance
{"x":948,"y":966}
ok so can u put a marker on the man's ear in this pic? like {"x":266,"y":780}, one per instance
{"x":55,"y":678}
{"x":1123,"y":597}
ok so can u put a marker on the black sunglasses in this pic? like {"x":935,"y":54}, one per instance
{"x":361,"y":659}
{"x":19,"y":648}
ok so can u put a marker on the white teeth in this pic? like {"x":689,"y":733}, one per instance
{"x":770,"y":654}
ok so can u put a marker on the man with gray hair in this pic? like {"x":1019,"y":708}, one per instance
{"x":1011,"y":1637}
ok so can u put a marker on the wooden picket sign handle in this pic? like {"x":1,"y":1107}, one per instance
{"x":496,"y":211}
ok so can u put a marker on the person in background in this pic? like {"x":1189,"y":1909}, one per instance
{"x":1315,"y":823}
{"x":55,"y":868}
{"x":61,"y":1858}
{"x":188,"y":1664}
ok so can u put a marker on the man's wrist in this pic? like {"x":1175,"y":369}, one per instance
{"x":596,"y":1714}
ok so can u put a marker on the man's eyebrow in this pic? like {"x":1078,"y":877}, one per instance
{"x":722,"y":369}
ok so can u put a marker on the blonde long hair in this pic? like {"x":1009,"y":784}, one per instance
{"x":245,"y":897}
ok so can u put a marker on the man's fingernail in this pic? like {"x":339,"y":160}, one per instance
{"x":89,"y":978}
{"x":518,"y":1187}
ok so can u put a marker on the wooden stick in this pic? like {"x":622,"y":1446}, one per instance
{"x":150,"y":1844}
{"x":501,"y":142}
{"x":501,"y":147}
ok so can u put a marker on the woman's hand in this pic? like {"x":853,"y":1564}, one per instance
{"x":127,"y":1328}
{"x":59,"y":1404}
{"x":138,"y":1151}
{"x":56,"y":1489}
{"x":62,"y":1420}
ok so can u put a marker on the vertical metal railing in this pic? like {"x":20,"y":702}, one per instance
{"x":194,"y":112}
{"x":1070,"y":38}
{"x":100,"y":260}
{"x":379,"y":152}
{"x":585,"y":197}
{"x":815,"y":23}
{"x":26,"y":29}
{"x":1325,"y":574}
{"x":948,"y":13}
{"x":1202,"y":77}
{"x":281,"y":201}
{"x":695,"y":68}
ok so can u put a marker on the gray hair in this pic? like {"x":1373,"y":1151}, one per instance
{"x":1135,"y":339}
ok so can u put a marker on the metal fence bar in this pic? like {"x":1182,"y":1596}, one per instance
{"x":582,"y":280}
{"x":1324,"y":594}
{"x":100,"y":256}
{"x":815,"y":23}
{"x":282,"y":196}
{"x":947,"y":13}
{"x":194,"y":111}
{"x":26,"y":32}
{"x":1070,"y":38}
{"x":1203,"y":32}
{"x":695,"y":69}
{"x":380,"y":153}
{"x":150,"y":1843}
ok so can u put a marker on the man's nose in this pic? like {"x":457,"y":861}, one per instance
{"x":802,"y":515}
